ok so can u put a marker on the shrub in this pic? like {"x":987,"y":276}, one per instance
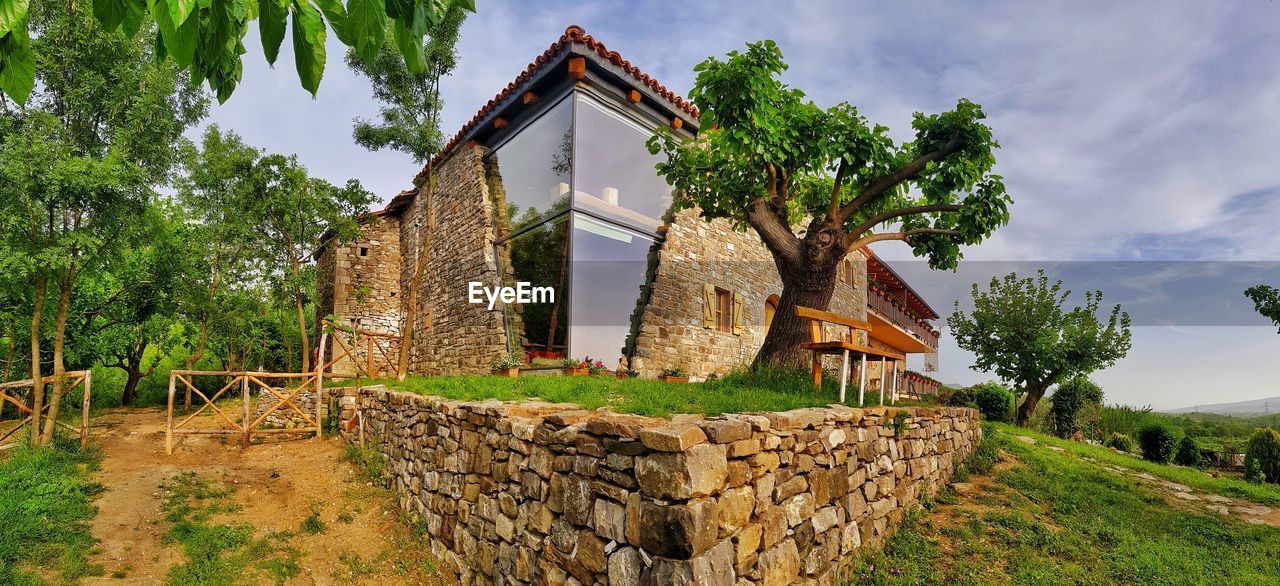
{"x":1068,"y":400}
{"x":959,"y":398}
{"x":994,"y":401}
{"x":1158,"y":442}
{"x":1263,"y":454}
{"x":1188,"y":453}
{"x":509,"y":360}
{"x":1120,"y":442}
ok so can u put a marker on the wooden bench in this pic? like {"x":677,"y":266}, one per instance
{"x":819,"y":344}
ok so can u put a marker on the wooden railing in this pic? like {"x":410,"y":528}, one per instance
{"x":15,"y":393}
{"x":896,"y":315}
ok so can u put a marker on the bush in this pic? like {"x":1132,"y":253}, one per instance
{"x":1263,"y":454}
{"x":1068,"y":400}
{"x":1120,"y":442}
{"x":1188,"y":453}
{"x":1158,"y":442}
{"x":959,"y":398}
{"x":994,"y":401}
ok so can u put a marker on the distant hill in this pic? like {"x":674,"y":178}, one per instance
{"x":1252,"y":407}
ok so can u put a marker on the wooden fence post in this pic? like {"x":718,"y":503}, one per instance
{"x":168,"y":418}
{"x":324,"y":338}
{"x":245,"y":423}
{"x":84,"y":409}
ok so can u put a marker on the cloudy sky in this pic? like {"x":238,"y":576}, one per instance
{"x":1133,"y":134}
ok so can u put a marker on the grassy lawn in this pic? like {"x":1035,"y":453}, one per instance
{"x":45,"y":510}
{"x":1053,"y":518}
{"x":738,"y":392}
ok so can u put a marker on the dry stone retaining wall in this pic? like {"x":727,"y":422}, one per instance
{"x":539,"y":493}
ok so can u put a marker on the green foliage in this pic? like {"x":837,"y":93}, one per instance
{"x":46,"y":505}
{"x":508,"y":360}
{"x":1188,"y":453}
{"x":409,"y":115}
{"x":1019,"y":330}
{"x":206,"y":39}
{"x":369,"y":460}
{"x":1120,"y":442}
{"x":994,"y":401}
{"x":312,"y":525}
{"x":1263,"y":454}
{"x":1159,"y":442}
{"x":1266,"y":301}
{"x":1068,"y":400}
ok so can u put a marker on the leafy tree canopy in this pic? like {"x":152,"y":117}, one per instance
{"x":206,"y":37}
{"x":1019,"y":330}
{"x":1266,"y":301}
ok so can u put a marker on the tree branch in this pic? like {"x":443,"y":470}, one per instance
{"x":885,"y":216}
{"x":834,"y":210}
{"x":857,"y":243}
{"x":771,"y":225}
{"x":909,"y":171}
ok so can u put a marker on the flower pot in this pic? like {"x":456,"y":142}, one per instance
{"x":674,"y":379}
{"x":506,"y":372}
{"x":576,"y":371}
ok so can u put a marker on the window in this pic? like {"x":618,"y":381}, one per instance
{"x":850,"y":274}
{"x":770,"y":308}
{"x":529,"y":175}
{"x":724,"y":310}
{"x":539,"y":256}
{"x":607,"y":277}
{"x":364,"y":251}
{"x":613,"y":172}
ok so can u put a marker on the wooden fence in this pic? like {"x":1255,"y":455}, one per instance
{"x":10,"y":394}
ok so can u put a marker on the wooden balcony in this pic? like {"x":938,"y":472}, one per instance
{"x":897,"y":327}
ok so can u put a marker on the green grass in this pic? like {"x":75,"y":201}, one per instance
{"x":770,"y":390}
{"x":221,"y":553}
{"x":1059,"y":519}
{"x":45,"y":511}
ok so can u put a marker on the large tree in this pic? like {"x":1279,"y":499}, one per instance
{"x":1266,"y":301}
{"x":102,"y":123}
{"x":410,"y":100}
{"x":1019,"y":330}
{"x":816,"y":183}
{"x":206,"y":37}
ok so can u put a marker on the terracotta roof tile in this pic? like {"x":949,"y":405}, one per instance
{"x":572,"y":35}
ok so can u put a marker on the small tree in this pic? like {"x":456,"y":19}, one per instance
{"x":1019,"y":329}
{"x":1159,"y":442}
{"x":815,"y":183}
{"x":1188,"y":453}
{"x":994,"y":401}
{"x":1067,"y":402}
{"x":1266,"y":301}
{"x":1263,"y":454}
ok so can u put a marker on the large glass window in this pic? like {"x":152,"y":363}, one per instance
{"x":529,"y":175}
{"x":540,"y":257}
{"x":609,"y":268}
{"x":613,"y":173}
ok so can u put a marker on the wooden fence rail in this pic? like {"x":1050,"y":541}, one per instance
{"x":9,"y":394}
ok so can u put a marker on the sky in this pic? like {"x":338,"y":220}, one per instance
{"x":1137,"y":142}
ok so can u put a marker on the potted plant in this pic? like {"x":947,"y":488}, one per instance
{"x":673,"y":375}
{"x":594,"y":366}
{"x":574,"y":367}
{"x":508,"y":365}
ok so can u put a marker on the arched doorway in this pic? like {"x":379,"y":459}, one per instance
{"x":770,"y":308}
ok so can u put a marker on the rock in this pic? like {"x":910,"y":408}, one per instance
{"x":746,"y":545}
{"x":825,"y":518}
{"x":698,"y":471}
{"x":962,"y":488}
{"x":779,"y":564}
{"x":672,"y":438}
{"x":831,"y":437}
{"x":734,"y":508}
{"x":724,"y":431}
{"x":1186,"y":496}
{"x":797,"y":418}
{"x":1145,"y":476}
{"x":1026,"y":440}
{"x":744,"y":448}
{"x":1220,"y":509}
{"x":678,"y":531}
{"x":625,"y":567}
{"x":1217,"y":498}
{"x":1176,"y":486}
{"x":1255,"y":510}
{"x":798,"y":509}
{"x":610,"y":520}
{"x":715,"y":567}
{"x":590,"y":552}
{"x":620,"y":426}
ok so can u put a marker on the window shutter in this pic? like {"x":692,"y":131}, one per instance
{"x":708,"y":305}
{"x":842,"y":272}
{"x":737,"y":313}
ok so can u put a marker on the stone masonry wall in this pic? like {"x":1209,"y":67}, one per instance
{"x":360,"y":283}
{"x":461,"y":338}
{"x":539,"y":493}
{"x":695,"y":252}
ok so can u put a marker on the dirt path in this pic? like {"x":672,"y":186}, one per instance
{"x":274,"y":487}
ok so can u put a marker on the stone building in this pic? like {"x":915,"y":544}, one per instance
{"x":551,"y":185}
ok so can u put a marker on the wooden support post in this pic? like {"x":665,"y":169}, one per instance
{"x":817,"y":372}
{"x":245,"y":423}
{"x":862,"y":379}
{"x":84,"y":409}
{"x":844,"y":373}
{"x":168,"y":418}
{"x":894,"y":396}
{"x":883,"y":378}
{"x":324,"y":338}
{"x":368,"y":356}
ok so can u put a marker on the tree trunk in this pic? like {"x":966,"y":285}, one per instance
{"x":59,"y":365}
{"x":419,"y":267}
{"x":130,"y":388}
{"x":806,"y":286}
{"x":37,"y":383}
{"x":1028,"y":407}
{"x":302,"y":325}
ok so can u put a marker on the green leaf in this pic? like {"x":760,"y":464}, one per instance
{"x":12,"y":12}
{"x":337,"y":17}
{"x":180,"y":41}
{"x":308,"y":44}
{"x":410,"y":46}
{"x":179,"y":10}
{"x":271,"y":25}
{"x":17,"y":63}
{"x":366,"y":25}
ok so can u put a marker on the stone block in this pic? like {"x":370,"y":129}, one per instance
{"x":672,"y":438}
{"x":698,"y":471}
{"x":678,"y":531}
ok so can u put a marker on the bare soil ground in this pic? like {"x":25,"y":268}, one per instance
{"x":274,"y":486}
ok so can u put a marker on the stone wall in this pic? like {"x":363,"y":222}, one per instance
{"x":360,"y":283}
{"x":452,"y":336}
{"x":698,"y":252}
{"x":284,"y":417}
{"x":550,"y":494}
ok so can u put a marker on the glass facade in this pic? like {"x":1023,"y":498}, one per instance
{"x":595,"y":257}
